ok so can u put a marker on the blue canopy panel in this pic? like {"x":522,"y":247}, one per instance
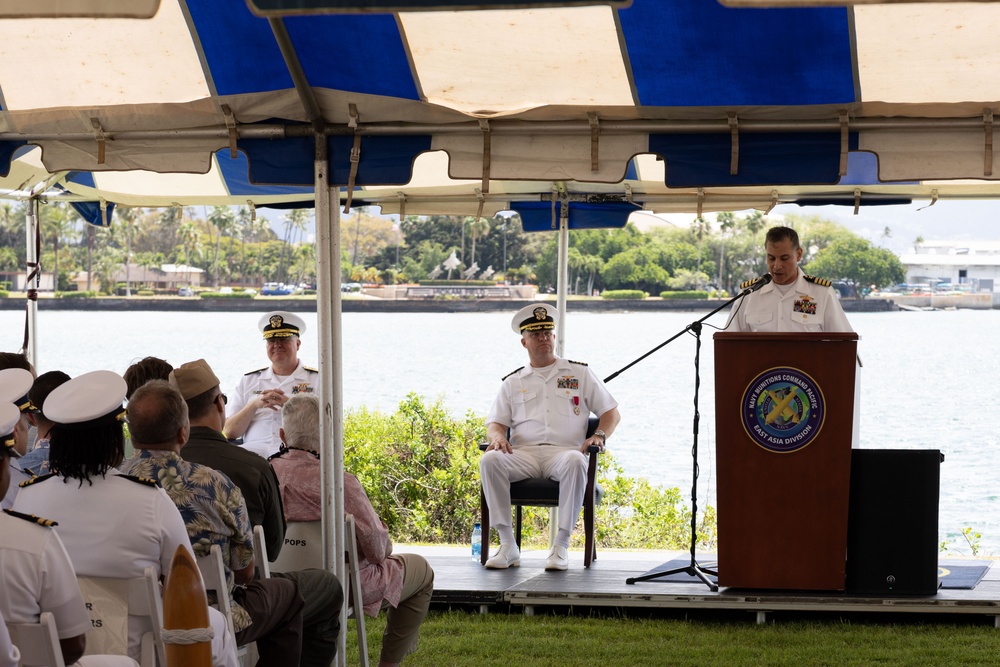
{"x":7,"y":150}
{"x":536,"y":216}
{"x":384,"y":160}
{"x":686,"y":53}
{"x":90,"y":211}
{"x":703,"y":160}
{"x":862,"y":170}
{"x":360,"y":53}
{"x":236,"y":174}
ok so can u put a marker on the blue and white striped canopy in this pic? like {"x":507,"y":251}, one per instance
{"x":666,"y":105}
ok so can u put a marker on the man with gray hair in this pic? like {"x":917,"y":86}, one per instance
{"x":321,"y":590}
{"x":401,"y":583}
{"x":267,"y":611}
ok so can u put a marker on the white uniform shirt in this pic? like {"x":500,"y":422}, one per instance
{"x":16,"y":477}
{"x":261,"y":436}
{"x":38,"y":576}
{"x":550,"y":405}
{"x":9,"y":655}
{"x":807,"y":306}
{"x":114,"y":527}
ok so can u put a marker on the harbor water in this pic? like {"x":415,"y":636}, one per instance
{"x":928,"y":382}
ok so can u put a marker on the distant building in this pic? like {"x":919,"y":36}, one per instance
{"x":17,"y":280}
{"x":168,"y":276}
{"x":972,"y":263}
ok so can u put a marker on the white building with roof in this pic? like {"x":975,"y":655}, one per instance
{"x":972,"y":263}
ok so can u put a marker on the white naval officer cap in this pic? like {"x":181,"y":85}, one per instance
{"x":14,"y":386}
{"x":281,"y":324}
{"x":9,"y":416}
{"x":87,"y":400}
{"x":534,"y":317}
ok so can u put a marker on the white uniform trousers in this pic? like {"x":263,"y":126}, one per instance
{"x":566,"y":465}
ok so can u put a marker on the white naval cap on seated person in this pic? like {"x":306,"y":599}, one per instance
{"x":14,"y":386}
{"x":281,"y":324}
{"x":534,"y":317}
{"x":87,"y":399}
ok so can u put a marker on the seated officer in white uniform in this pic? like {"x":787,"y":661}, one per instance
{"x":792,"y":301}
{"x":546,"y":406}
{"x":254,"y":412}
{"x":37,"y":575}
{"x":14,"y":386}
{"x":112,"y":525}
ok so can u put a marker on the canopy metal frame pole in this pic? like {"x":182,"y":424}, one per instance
{"x":562,"y":284}
{"x":33,"y":256}
{"x":331,"y":394}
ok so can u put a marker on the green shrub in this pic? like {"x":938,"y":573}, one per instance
{"x":4,"y":294}
{"x":686,"y":294}
{"x":145,"y":292}
{"x":221,"y":295}
{"x":79,"y":294}
{"x":623,"y":294}
{"x":6,"y":285}
{"x":420,"y":469}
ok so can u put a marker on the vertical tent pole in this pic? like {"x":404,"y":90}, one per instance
{"x":330,"y":337}
{"x":562,"y":284}
{"x":33,"y":257}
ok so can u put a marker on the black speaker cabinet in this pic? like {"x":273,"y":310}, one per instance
{"x":892,"y":530}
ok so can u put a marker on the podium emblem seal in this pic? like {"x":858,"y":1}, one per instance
{"x":783,"y":410}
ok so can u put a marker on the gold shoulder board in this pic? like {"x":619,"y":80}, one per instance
{"x":259,"y":370}
{"x":31,"y":518}
{"x":822,"y":282}
{"x":140,"y":480}
{"x":35,"y":480}
{"x":511,"y":373}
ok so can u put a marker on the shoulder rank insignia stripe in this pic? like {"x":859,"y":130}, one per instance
{"x":822,"y":282}
{"x":310,"y":369}
{"x":511,"y":373}
{"x":259,"y":370}
{"x":31,"y":518}
{"x":579,"y":363}
{"x":35,"y":480}
{"x":140,"y":480}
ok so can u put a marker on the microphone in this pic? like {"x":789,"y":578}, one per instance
{"x":760,"y":282}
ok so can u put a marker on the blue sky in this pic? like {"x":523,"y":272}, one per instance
{"x":945,"y":220}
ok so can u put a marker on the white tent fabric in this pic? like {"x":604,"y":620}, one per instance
{"x":573,"y":116}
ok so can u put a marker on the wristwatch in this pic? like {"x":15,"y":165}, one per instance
{"x":602,"y":434}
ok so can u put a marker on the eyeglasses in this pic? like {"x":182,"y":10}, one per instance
{"x":541,"y":334}
{"x":225,"y":399}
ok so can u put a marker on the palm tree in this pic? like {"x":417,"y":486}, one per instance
{"x":59,"y":223}
{"x":126,"y":217}
{"x":222,"y":219}
{"x":727,"y":222}
{"x":700,"y":226}
{"x":190,"y":240}
{"x":243,"y":227}
{"x":754,"y":222}
{"x":295,"y":220}
{"x":478,"y":227}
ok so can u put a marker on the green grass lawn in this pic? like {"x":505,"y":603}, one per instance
{"x":455,"y":638}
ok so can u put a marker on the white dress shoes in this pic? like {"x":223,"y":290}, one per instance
{"x":507,"y":556}
{"x":558,"y":559}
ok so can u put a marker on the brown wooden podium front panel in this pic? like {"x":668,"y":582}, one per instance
{"x":783,"y":514}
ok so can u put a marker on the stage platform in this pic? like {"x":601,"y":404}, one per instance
{"x":460,"y":580}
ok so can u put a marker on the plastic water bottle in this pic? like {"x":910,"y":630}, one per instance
{"x":477,"y":541}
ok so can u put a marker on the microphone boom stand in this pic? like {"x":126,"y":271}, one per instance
{"x":692,"y":569}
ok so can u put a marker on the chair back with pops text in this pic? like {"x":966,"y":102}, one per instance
{"x":541,"y":492}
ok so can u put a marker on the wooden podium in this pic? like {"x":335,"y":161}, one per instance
{"x":784,"y":423}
